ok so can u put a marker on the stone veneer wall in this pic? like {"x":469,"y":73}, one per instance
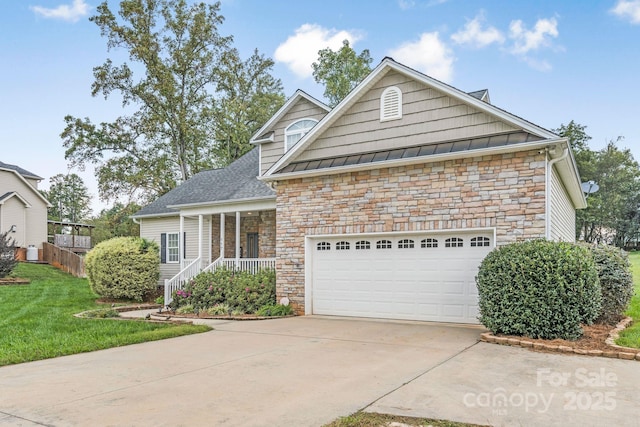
{"x":504,"y":191}
{"x":264,"y":223}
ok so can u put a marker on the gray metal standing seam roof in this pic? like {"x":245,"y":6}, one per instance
{"x":25,"y":173}
{"x":237,"y":181}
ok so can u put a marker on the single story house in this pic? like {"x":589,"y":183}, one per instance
{"x":23,"y":209}
{"x":383,"y":206}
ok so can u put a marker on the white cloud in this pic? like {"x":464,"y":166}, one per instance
{"x":429,"y":55}
{"x":406,"y":4}
{"x":628,"y":9}
{"x":474,"y":35}
{"x":71,"y":13}
{"x":300,"y":50}
{"x":525,"y":40}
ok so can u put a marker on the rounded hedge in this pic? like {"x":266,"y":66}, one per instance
{"x":616,"y":282}
{"x":123,"y":268}
{"x":538,"y":288}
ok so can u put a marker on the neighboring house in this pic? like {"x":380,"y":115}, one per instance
{"x":23,"y":209}
{"x":383,"y":206}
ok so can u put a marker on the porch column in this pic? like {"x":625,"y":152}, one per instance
{"x":209,"y":237}
{"x":222,"y":235}
{"x":181,"y":243}
{"x":200,"y":226}
{"x":237,"y":236}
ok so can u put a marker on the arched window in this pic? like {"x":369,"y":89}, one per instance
{"x":405,"y":244}
{"x":429,"y":243}
{"x":453,"y":242}
{"x":363,"y":244}
{"x":391,"y":104}
{"x":383,"y":244}
{"x":480,"y":241}
{"x":342,"y":246}
{"x":324,"y":246}
{"x":294,"y":132}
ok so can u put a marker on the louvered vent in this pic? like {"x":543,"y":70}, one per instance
{"x":391,"y":104}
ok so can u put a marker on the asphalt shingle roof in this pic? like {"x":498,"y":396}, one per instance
{"x":25,"y":173}
{"x":235,"y":182}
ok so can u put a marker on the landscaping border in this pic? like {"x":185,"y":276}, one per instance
{"x":617,"y":351}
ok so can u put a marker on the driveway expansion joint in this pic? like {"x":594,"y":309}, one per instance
{"x":26,"y":419}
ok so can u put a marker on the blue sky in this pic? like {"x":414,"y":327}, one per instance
{"x":547,"y":61}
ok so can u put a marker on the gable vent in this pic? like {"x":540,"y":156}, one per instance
{"x":391,"y":104}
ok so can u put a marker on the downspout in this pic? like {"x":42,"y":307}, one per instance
{"x":549,"y":174}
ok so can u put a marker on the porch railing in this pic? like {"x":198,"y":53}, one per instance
{"x":191,"y":270}
{"x":177,"y":282}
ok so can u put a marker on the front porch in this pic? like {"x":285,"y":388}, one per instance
{"x":240,"y":240}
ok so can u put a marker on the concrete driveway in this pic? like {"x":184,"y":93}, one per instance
{"x":307,"y":371}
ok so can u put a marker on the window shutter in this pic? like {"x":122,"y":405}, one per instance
{"x":163,"y":248}
{"x":184,"y":245}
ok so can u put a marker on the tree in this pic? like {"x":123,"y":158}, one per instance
{"x":69,"y":197}
{"x":612,"y":214}
{"x":340,"y":71}
{"x":178,"y":62}
{"x":7,"y":254}
{"x":247,"y":97}
{"x":115,"y":222}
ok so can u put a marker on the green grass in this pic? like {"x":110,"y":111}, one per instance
{"x":630,"y":337}
{"x":36,"y":320}
{"x":366,"y":419}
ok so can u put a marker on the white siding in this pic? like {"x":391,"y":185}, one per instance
{"x":272,"y":151}
{"x":13,"y":213}
{"x":563,"y":213}
{"x":34,"y":218}
{"x":152,"y":229}
{"x":427,"y":116}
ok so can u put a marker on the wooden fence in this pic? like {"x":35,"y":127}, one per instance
{"x":63,"y":259}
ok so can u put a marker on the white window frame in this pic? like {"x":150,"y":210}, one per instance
{"x":297,"y":132}
{"x":173,"y":258}
{"x":391,"y":104}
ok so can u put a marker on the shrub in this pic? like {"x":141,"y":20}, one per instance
{"x":616,"y":282}
{"x":219,"y":310}
{"x":242,"y":291}
{"x":538,"y":288}
{"x":7,"y":254}
{"x":275,"y":310}
{"x":123,"y":268}
{"x":186,"y":309}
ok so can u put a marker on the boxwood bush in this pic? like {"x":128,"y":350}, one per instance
{"x":240,"y":291}
{"x":539,"y":288}
{"x":123,"y":268}
{"x":616,"y":282}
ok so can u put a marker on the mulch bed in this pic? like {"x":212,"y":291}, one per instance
{"x":170,"y":314}
{"x":7,"y":281}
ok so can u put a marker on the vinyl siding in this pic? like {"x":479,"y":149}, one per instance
{"x":272,"y":151}
{"x":34,"y":218}
{"x":428,"y":116}
{"x":152,"y":229}
{"x":563,"y":214}
{"x":14,"y":213}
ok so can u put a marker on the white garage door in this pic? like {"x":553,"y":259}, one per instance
{"x":418,"y":277}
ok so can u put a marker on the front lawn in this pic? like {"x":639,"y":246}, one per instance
{"x":367,"y":419}
{"x":630,"y":337}
{"x":37,"y":319}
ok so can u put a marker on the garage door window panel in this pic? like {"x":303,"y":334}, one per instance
{"x":323,"y":246}
{"x":480,"y":242}
{"x":406,"y":244}
{"x":429,"y":243}
{"x":363,"y":245}
{"x":453,"y":242}
{"x":342,"y":246}
{"x":384,"y":244}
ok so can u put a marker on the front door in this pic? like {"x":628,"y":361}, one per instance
{"x":252,"y":245}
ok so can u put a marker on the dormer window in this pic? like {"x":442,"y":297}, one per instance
{"x":296,"y":131}
{"x":391,"y":104}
